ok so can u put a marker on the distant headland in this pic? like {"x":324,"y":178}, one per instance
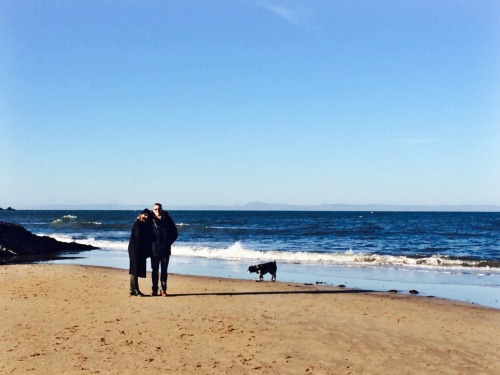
{"x":7,"y":209}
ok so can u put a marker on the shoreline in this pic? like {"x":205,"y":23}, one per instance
{"x":80,"y":319}
{"x":474,"y":289}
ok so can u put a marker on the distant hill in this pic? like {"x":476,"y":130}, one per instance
{"x":261,"y":206}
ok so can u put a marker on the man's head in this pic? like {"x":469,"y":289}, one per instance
{"x":157,"y":209}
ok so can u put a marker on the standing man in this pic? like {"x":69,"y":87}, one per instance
{"x":165,"y":234}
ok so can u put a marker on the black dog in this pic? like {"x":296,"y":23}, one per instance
{"x":264,"y":268}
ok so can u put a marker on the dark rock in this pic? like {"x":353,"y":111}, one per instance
{"x":16,"y":241}
{"x":394,"y":291}
{"x":341,"y":286}
{"x":413,"y":291}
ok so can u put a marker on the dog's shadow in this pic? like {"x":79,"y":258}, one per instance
{"x":275,"y":292}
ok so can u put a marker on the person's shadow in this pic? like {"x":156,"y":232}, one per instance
{"x":276,"y":292}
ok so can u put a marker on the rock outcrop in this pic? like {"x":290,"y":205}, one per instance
{"x":17,"y":243}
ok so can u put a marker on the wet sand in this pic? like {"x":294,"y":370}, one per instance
{"x":80,"y":319}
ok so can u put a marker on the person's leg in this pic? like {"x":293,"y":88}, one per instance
{"x":155,"y":266}
{"x":134,"y":286}
{"x":164,"y":274}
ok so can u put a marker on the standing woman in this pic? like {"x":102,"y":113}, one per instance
{"x":139,"y":248}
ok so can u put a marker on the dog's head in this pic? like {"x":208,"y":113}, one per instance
{"x":253,"y":269}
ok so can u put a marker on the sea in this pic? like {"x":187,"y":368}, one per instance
{"x":452,"y":255}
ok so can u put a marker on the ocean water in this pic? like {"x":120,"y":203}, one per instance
{"x":443,"y":254}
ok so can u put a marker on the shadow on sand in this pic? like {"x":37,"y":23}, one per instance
{"x":258,"y":293}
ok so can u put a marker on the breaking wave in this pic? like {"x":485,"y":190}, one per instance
{"x":349,"y":258}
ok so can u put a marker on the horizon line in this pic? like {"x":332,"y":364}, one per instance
{"x":262,"y":206}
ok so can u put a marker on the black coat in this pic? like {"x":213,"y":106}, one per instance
{"x":164,"y":235}
{"x":139,"y":247}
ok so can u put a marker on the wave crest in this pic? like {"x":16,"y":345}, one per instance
{"x":349,"y":258}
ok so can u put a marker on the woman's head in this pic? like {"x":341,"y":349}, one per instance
{"x":144,"y":215}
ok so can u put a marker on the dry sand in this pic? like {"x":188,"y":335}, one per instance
{"x":65,"y":319}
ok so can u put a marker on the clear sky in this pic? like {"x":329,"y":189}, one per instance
{"x":225,"y":102}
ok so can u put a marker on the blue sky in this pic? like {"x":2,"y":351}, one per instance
{"x":229,"y":102}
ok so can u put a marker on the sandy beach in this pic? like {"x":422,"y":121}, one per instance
{"x":65,"y":319}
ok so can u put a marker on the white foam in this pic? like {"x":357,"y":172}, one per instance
{"x":62,"y":238}
{"x":103,"y":244}
{"x":347,"y":258}
{"x":65,"y":218}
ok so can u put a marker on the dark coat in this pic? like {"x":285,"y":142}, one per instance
{"x":164,"y":235}
{"x":139,"y":247}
